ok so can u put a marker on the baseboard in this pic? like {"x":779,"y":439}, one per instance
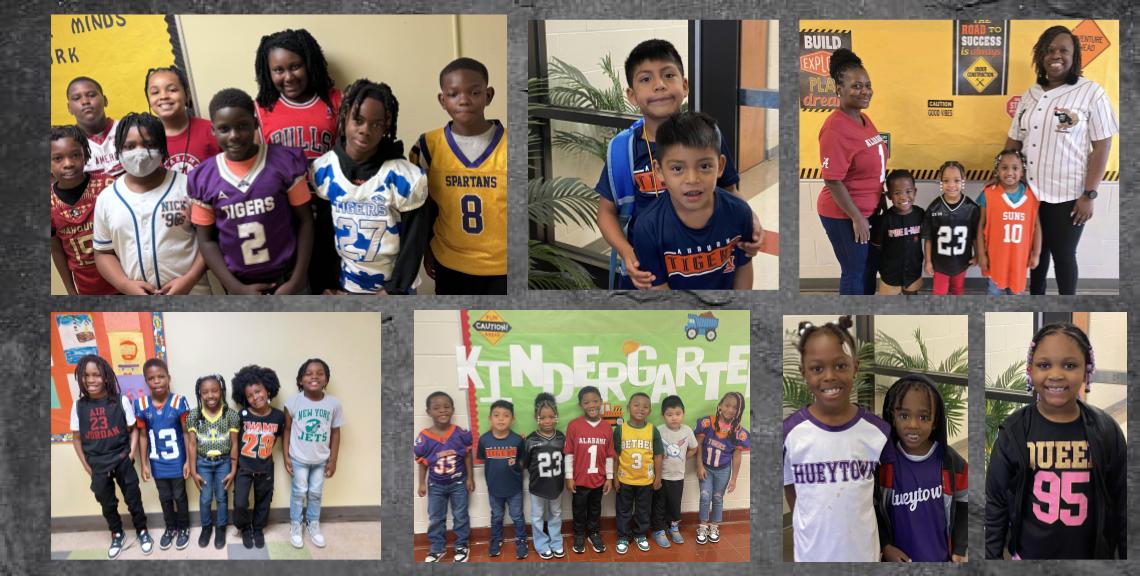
{"x":975,"y":286}
{"x":276,"y":515}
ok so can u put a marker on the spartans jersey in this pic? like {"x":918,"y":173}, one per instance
{"x":544,"y":462}
{"x":443,"y":455}
{"x":252,"y":213}
{"x":163,"y":427}
{"x":635,"y":448}
{"x":591,"y":444}
{"x":951,"y":230}
{"x":309,"y":126}
{"x":74,"y":224}
{"x":470,"y":234}
{"x":366,"y":217}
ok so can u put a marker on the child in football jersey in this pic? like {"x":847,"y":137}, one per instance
{"x":1056,"y":484}
{"x":542,"y":456}
{"x":832,"y":449}
{"x":589,"y":468}
{"x":923,"y":497}
{"x":87,"y":103}
{"x":254,"y":227}
{"x":897,"y":235}
{"x":189,"y":139}
{"x":691,"y":240}
{"x":680,"y":444}
{"x":213,"y":447}
{"x":161,"y":418}
{"x":639,"y":452}
{"x":73,"y":194}
{"x":313,"y":420}
{"x":949,"y":232}
{"x":369,"y":184}
{"x":466,"y":163}
{"x":261,"y":426}
{"x":721,"y":440}
{"x":501,"y":451}
{"x":103,"y":426}
{"x":443,"y":458}
{"x":144,"y":242}
{"x":1009,"y":238}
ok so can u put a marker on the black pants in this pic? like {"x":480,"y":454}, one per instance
{"x":633,"y":506}
{"x":262,"y":485}
{"x":667,"y":504}
{"x":172,"y":496}
{"x":103,"y":485}
{"x":587,"y":510}
{"x":324,"y":262}
{"x":1059,"y":239}
{"x":448,"y":281}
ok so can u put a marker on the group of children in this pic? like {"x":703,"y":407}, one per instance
{"x":303,"y":189}
{"x":1000,"y":232}
{"x":216,"y":447}
{"x":645,"y":465}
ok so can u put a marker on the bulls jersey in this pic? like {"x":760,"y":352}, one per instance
{"x":104,"y":159}
{"x":253,"y":211}
{"x":636,"y":448}
{"x":74,"y":225}
{"x":900,"y":262}
{"x":163,"y":428}
{"x":720,"y":442}
{"x":366,"y":217}
{"x":256,"y":437}
{"x":470,"y":233}
{"x":1010,"y":225}
{"x":951,"y":230}
{"x":544,"y":462}
{"x":443,"y":455}
{"x":195,"y":145}
{"x":693,"y":259}
{"x":856,"y":154}
{"x":310,"y":126}
{"x":591,"y":444}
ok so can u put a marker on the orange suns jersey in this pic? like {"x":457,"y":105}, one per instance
{"x":1009,"y":235}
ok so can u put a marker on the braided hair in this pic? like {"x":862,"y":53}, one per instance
{"x":74,"y":132}
{"x":950,"y":164}
{"x":1076,"y":335}
{"x":842,"y":60}
{"x":301,"y":43}
{"x":389,"y":147}
{"x":110,"y":382}
{"x":1042,"y":46}
{"x":181,"y":79}
{"x":545,"y":400}
{"x":893,"y":400}
{"x":1010,"y":152}
{"x":305,"y":367}
{"x":254,"y":374}
{"x":221,"y":383}
{"x":838,"y":329}
{"x":735,"y":423}
{"x":154,"y":135}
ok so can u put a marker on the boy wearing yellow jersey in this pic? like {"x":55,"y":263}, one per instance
{"x":639,"y":450}
{"x":466,"y":163}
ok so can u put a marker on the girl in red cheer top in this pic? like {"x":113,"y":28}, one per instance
{"x":189,"y":140}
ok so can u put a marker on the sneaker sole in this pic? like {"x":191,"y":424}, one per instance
{"x":618,"y":550}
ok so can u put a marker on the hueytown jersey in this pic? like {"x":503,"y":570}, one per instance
{"x":591,"y":444}
{"x":719,"y":444}
{"x":544,"y":462}
{"x":366,"y":217}
{"x":951,"y":230}
{"x":1010,"y":224}
{"x":163,"y":428}
{"x":253,"y":213}
{"x":444,"y":455}
{"x":309,"y":126}
{"x":900,"y":262}
{"x":470,"y":233}
{"x":635,"y":448}
{"x":195,"y":145}
{"x":74,"y":225}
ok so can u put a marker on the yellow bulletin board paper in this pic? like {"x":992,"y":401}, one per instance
{"x":912,"y":66}
{"x":93,"y":45}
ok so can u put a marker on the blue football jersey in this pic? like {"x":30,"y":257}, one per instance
{"x":163,"y":427}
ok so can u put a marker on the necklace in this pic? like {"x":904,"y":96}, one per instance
{"x":657,"y":187}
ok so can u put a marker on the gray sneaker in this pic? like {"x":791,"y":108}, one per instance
{"x":295,"y":536}
{"x":661,"y":540}
{"x":315,"y":535}
{"x":675,"y":533}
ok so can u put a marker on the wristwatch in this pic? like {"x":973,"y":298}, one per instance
{"x":1090,"y":194}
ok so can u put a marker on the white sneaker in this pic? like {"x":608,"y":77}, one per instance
{"x":295,"y":536}
{"x":315,"y":534}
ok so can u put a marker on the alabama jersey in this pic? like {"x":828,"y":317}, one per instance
{"x":591,"y":444}
{"x":720,"y":442}
{"x":309,"y":126}
{"x":635,"y":449}
{"x":951,"y":230}
{"x":163,"y":428}
{"x":470,"y":233}
{"x":544,"y":462}
{"x":444,"y":455}
{"x":192,"y":147}
{"x":366,"y":217}
{"x":853,"y":153}
{"x":74,"y":225}
{"x":253,"y":213}
{"x":1009,"y":233}
{"x":104,"y":160}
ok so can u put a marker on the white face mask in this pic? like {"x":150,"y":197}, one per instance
{"x":141,"y":162}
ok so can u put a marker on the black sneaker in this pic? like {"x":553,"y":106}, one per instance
{"x":495,"y":548}
{"x":220,"y":537}
{"x":579,"y":544}
{"x":596,"y":543}
{"x":146,"y":543}
{"x":247,"y":538}
{"x":116,"y":545}
{"x":167,"y":538}
{"x":461,"y":554}
{"x":182,"y":540}
{"x":259,"y":538}
{"x":204,"y":537}
{"x":434,"y":557}
{"x":521,"y":549}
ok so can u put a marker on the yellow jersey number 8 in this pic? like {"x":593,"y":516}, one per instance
{"x":471,"y":210}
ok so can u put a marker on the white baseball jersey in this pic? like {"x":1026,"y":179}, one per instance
{"x":150,"y":232}
{"x":1056,"y":129}
{"x":104,"y":158}
{"x":366,"y":217}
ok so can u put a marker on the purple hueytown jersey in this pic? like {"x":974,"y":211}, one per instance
{"x":252,"y":214}
{"x":443,"y":455}
{"x":716,"y":450}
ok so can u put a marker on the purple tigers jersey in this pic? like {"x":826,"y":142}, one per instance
{"x":252,"y":214}
{"x":444,"y":455}
{"x":716,"y":450}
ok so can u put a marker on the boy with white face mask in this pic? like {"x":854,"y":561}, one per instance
{"x":144,"y":242}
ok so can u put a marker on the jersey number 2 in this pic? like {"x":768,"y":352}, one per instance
{"x":471,"y":208}
{"x":253,"y":250}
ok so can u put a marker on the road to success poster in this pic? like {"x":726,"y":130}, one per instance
{"x":943,"y":89}
{"x":516,"y":354}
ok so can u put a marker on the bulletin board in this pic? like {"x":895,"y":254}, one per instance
{"x":125,"y":339}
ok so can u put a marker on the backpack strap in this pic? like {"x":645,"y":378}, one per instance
{"x":619,"y":172}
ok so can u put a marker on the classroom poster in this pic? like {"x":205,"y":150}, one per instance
{"x":77,"y":335}
{"x":127,"y":352}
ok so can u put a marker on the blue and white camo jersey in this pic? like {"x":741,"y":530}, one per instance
{"x":366,"y":217}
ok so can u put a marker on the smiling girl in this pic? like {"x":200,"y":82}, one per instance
{"x":188,"y":139}
{"x":261,"y":426}
{"x":1009,"y":238}
{"x":213,"y":447}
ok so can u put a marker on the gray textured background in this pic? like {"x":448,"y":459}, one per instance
{"x":24,"y":458}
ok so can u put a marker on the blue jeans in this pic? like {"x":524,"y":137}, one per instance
{"x":438,"y":498}
{"x":549,"y":511}
{"x":712,"y":493}
{"x":993,"y":290}
{"x":213,"y":473}
{"x":308,"y":479}
{"x":852,"y":256}
{"x":516,"y":505}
